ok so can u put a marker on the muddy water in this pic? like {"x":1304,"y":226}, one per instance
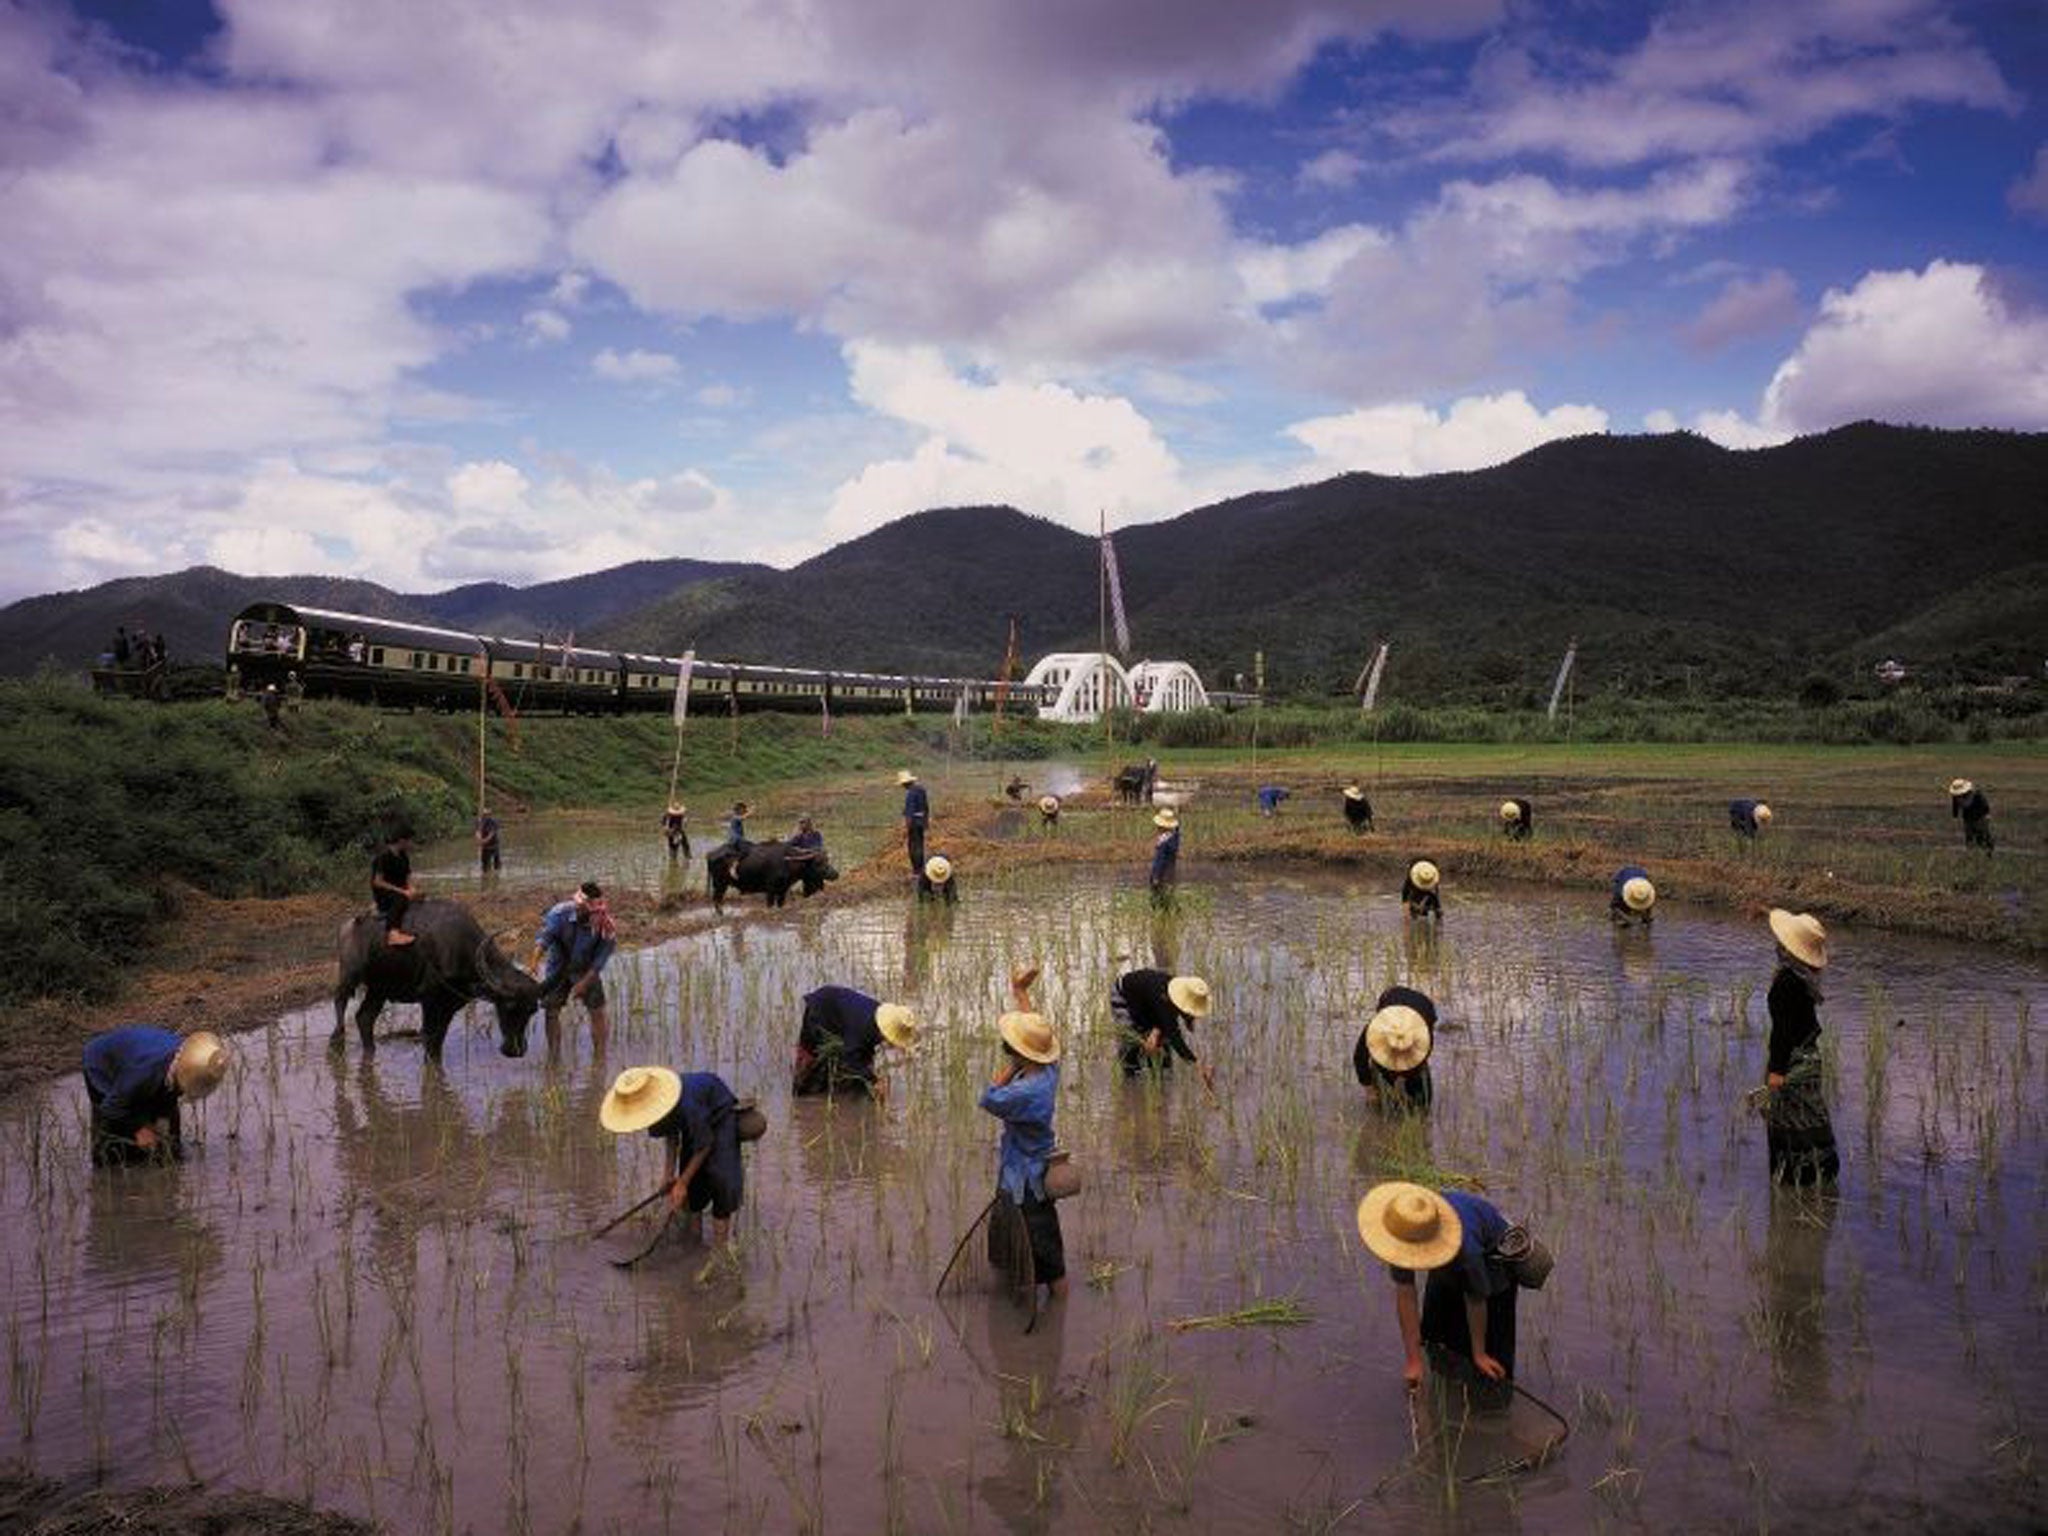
{"x":369,"y":1284}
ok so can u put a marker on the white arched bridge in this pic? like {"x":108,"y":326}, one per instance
{"x":1085,"y":680}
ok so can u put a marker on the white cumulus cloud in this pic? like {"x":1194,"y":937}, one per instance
{"x":1412,"y":439}
{"x":634,"y":366}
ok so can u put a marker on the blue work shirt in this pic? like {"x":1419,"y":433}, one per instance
{"x":1165,"y":854}
{"x":1025,"y":1105}
{"x":917,"y":805}
{"x":1482,"y":1224}
{"x":1270,"y":796}
{"x":736,"y":829}
{"x":130,"y":1071}
{"x":707,"y":1104}
{"x":570,"y":943}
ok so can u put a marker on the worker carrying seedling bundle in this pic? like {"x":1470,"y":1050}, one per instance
{"x":1391,"y":1059}
{"x":1419,"y":891}
{"x":841,"y":1033}
{"x":1631,"y":898}
{"x":1024,"y":1094}
{"x":1517,"y":820}
{"x":1357,"y":809}
{"x":703,"y":1124}
{"x":135,"y":1079}
{"x":1748,"y":817}
{"x":1967,"y":801}
{"x":1149,"y":1009}
{"x":1475,"y":1260}
{"x":935,"y":882}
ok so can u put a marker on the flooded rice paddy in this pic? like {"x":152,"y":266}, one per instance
{"x":370,"y":1287}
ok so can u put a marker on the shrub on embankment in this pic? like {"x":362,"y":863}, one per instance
{"x":109,"y":806}
{"x":1899,"y":720}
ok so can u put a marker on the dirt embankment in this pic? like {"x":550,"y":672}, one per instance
{"x":32,"y":1506}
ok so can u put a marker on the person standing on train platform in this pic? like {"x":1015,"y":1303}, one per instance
{"x":917,"y":816}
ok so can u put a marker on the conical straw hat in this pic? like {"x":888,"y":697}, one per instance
{"x":1410,"y":1227}
{"x":898,"y":1025}
{"x":1638,"y":895}
{"x":1509,"y":811}
{"x":1398,"y":1038}
{"x":1803,"y":936}
{"x":938,"y":869}
{"x":1422,"y":875}
{"x":1030,"y":1036}
{"x":638,"y":1097}
{"x":199,"y":1066}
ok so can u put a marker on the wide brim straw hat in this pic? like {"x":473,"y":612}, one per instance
{"x":1048,"y":803}
{"x":1802,"y":935}
{"x":1409,"y":1226}
{"x":1030,"y":1036}
{"x":1509,"y":811}
{"x":1168,"y":818}
{"x":675,"y":807}
{"x":1638,"y":895}
{"x":1190,"y":994}
{"x":1353,"y":792}
{"x":638,"y":1097}
{"x":898,"y":1025}
{"x":938,"y":869}
{"x":1960,"y":786}
{"x":905,"y":776}
{"x":1423,"y":875}
{"x":201,"y":1063}
{"x":1762,"y":813}
{"x":1397,"y":1037}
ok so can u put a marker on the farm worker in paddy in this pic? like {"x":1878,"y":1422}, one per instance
{"x":1797,"y":1126}
{"x":1631,"y":898}
{"x":135,"y":1078}
{"x":703,"y":1123}
{"x":1517,"y":820}
{"x":576,"y":939}
{"x":841,"y":1033}
{"x":1149,"y":1009}
{"x":917,"y":816}
{"x":1967,"y":801}
{"x":1391,"y":1059}
{"x":1419,"y":890}
{"x":1165,"y":871}
{"x":1466,"y":1322}
{"x":1023,"y":1094}
{"x":1746,"y":818}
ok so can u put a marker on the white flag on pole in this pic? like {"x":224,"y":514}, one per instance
{"x":1372,"y":682}
{"x":683,"y":671}
{"x":1116,"y":598}
{"x":1571,"y":654}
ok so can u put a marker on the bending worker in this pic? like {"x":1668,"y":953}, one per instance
{"x":576,"y":939}
{"x":703,"y":1124}
{"x":836,"y":1044}
{"x":1391,"y":1059}
{"x":935,"y":882}
{"x":1418,"y":890}
{"x":1967,"y":801}
{"x":1467,"y":1318}
{"x":1357,"y":809}
{"x":1748,"y":817}
{"x":134,"y":1079}
{"x":1631,"y":897}
{"x":1517,"y":820}
{"x":1270,"y":796}
{"x":1149,"y":1009}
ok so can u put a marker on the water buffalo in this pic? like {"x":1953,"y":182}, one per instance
{"x":1135,"y":782}
{"x":766,"y":868}
{"x":454,"y":962}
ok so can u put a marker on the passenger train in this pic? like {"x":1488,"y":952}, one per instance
{"x":380,"y":661}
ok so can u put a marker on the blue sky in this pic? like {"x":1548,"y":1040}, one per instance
{"x":432,"y":292}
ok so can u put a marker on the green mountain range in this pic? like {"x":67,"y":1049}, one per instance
{"x":1678,"y":565}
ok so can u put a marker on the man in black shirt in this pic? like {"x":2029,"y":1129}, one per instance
{"x":1149,"y":1009}
{"x":841,"y":1031}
